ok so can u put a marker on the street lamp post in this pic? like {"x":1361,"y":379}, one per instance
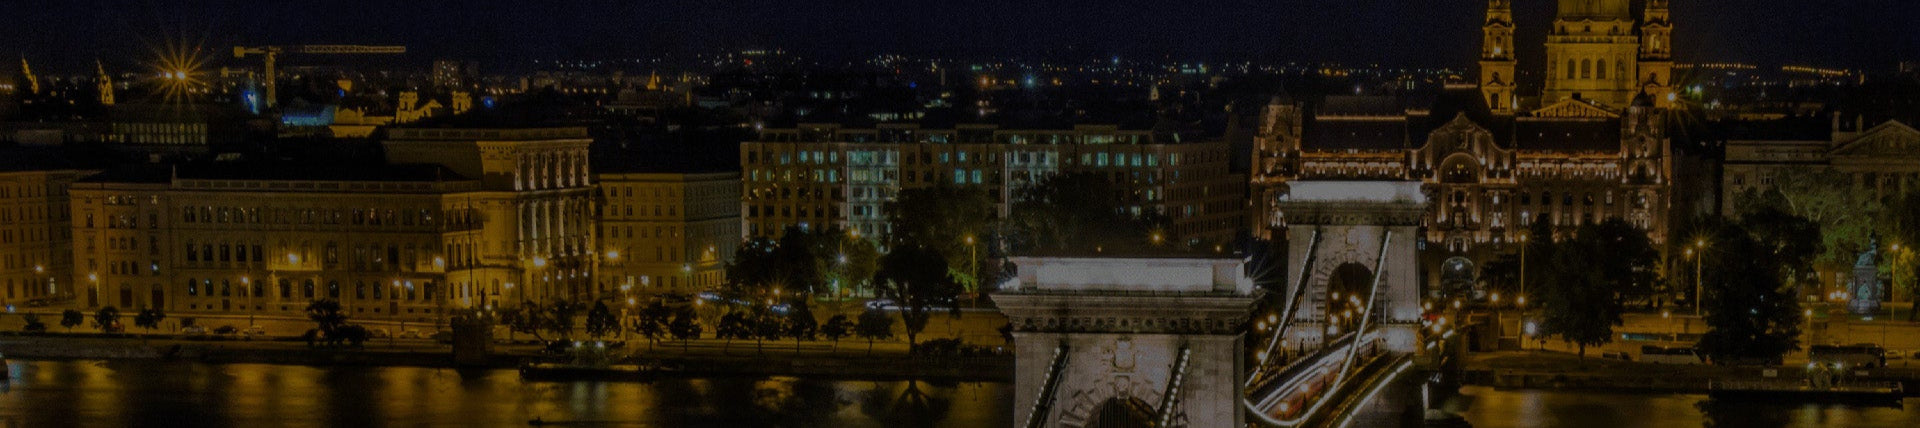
{"x":246,"y":284}
{"x":39,"y":273}
{"x":1523,"y":271}
{"x":1699,"y":255}
{"x":1895,"y":272}
{"x":973,"y":267}
{"x":539,"y":264}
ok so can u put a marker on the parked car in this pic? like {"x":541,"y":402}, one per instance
{"x":379,"y":333}
{"x":412,"y":334}
{"x":254,"y":331}
{"x":226,"y":330}
{"x":442,"y":336}
{"x":193,"y":330}
{"x":882,"y":304}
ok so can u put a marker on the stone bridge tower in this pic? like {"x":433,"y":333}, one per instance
{"x":1346,"y":232}
{"x":1128,"y":341}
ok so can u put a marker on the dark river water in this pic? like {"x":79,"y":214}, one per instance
{"x":167,"y":394}
{"x":1560,"y":409}
{"x":152,"y":393}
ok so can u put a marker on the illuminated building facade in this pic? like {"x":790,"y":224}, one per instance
{"x":1489,"y":165}
{"x":1878,"y":159}
{"x":821,"y":175}
{"x":35,"y":238}
{"x":453,"y":218}
{"x":668,"y":231}
{"x":1598,"y":50}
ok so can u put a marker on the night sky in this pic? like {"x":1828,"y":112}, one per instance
{"x":65,"y":35}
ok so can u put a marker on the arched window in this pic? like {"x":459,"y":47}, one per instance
{"x":333,"y":290}
{"x":1600,"y":70}
{"x":1571,"y":68}
{"x":193,"y":287}
{"x":1586,"y":69}
{"x":226,"y":288}
{"x":308,"y":291}
{"x":286,"y":289}
{"x":360,"y":290}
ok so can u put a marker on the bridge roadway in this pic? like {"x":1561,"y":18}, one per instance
{"x":1311,"y":391}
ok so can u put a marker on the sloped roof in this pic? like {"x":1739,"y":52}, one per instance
{"x":1556,"y":134}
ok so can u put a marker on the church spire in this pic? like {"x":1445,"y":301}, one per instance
{"x":1497,"y":58}
{"x":1656,"y":55}
{"x":32,"y":84}
{"x":103,"y":82}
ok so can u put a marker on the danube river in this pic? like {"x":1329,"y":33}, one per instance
{"x":156,"y":393}
{"x":1491,"y":408}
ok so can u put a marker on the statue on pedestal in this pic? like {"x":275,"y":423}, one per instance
{"x":1865,"y":291}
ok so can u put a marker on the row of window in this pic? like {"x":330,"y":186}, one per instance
{"x":362,"y":290}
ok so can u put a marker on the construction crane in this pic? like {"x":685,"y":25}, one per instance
{"x":271,"y":53}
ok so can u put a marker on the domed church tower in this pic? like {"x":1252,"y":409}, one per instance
{"x":1593,"y":53}
{"x":1496,"y":58}
{"x":1656,"y":55}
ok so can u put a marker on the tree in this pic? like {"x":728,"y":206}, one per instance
{"x":1750,"y":312}
{"x":1577,"y":304}
{"x":800,"y":322}
{"x":149,"y":318}
{"x":874,"y":325}
{"x":802,"y":261}
{"x":70,"y":318}
{"x":941,"y":218}
{"x":1625,"y":257}
{"x":1074,"y":211}
{"x":652,"y":323}
{"x":734,"y":325}
{"x":1903,"y":229}
{"x":1502,"y":274}
{"x":327,"y":315}
{"x":107,"y":319}
{"x":1793,"y":241}
{"x":753,"y":267}
{"x":767,"y":326}
{"x":685,"y":326}
{"x":558,"y":318}
{"x":1540,"y":246}
{"x":524,"y":319}
{"x":836,"y":327}
{"x":33,"y":324}
{"x":1846,"y":216}
{"x":917,"y":280}
{"x":848,"y":258}
{"x":601,"y":321}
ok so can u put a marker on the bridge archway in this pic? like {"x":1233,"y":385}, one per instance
{"x":1340,"y":231}
{"x":1347,"y":295}
{"x":1118,"y":412}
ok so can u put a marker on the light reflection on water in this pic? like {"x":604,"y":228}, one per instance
{"x":153,"y":393}
{"x":1492,"y":408}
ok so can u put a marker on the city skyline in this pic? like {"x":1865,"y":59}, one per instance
{"x":1120,"y":214}
{"x":1865,"y":34}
